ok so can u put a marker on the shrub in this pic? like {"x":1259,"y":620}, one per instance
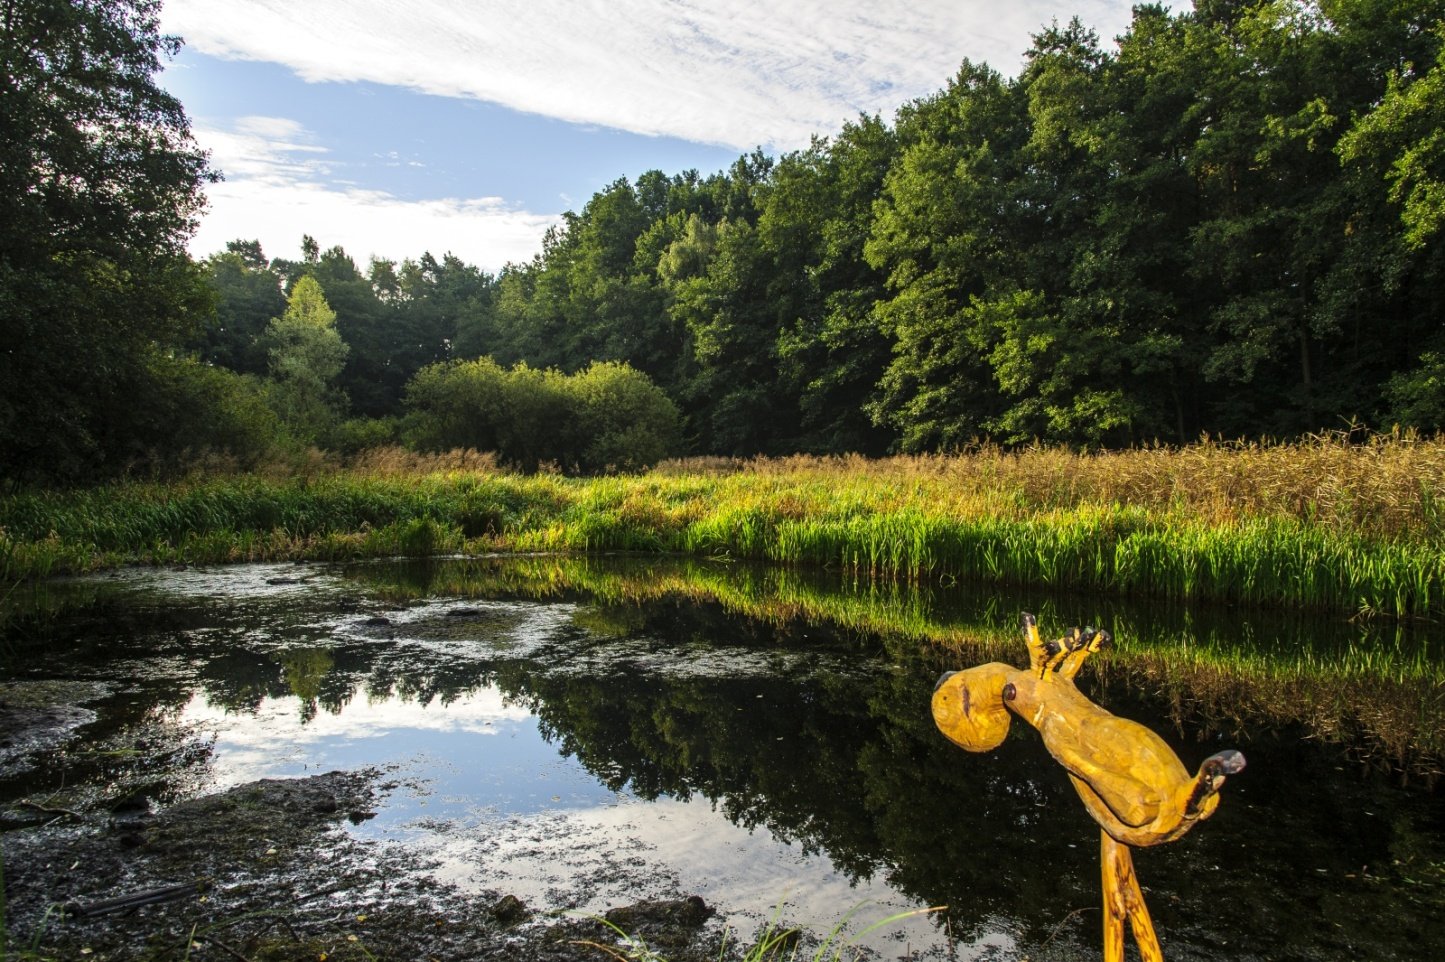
{"x":607,"y":418}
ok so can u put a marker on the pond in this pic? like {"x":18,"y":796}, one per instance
{"x":584,"y":734}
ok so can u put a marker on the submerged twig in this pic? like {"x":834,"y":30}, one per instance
{"x":212,"y":940}
{"x":25,"y":803}
{"x":1065,"y":921}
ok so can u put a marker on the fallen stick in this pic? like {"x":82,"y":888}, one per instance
{"x":121,"y":903}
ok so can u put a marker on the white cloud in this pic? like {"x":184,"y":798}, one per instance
{"x":733,"y":72}
{"x":274,"y":741}
{"x":280,"y":185}
{"x":737,"y":73}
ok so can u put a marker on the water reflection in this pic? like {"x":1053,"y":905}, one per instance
{"x":1376,"y":688}
{"x":588,"y":733}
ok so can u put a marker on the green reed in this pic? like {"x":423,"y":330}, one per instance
{"x":1023,"y":520}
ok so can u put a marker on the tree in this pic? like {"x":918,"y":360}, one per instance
{"x":816,"y":217}
{"x":1405,"y":135}
{"x":734,"y":399}
{"x":248,"y":296}
{"x":100,"y":185}
{"x":941,"y":236}
{"x":307,"y":355}
{"x":364,"y":322}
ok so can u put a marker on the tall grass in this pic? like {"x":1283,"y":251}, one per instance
{"x":1326,"y":523}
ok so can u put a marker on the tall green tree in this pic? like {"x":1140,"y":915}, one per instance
{"x":816,"y":217}
{"x":307,"y":356}
{"x":100,"y":186}
{"x":365,"y":322}
{"x":1398,"y":146}
{"x":942,"y":237}
{"x":248,"y":294}
{"x":734,"y":400}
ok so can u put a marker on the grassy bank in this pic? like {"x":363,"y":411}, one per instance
{"x":1324,"y":524}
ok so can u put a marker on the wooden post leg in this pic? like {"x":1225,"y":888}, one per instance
{"x":1124,"y":900}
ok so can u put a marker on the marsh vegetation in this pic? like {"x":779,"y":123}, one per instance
{"x":1327,"y":524}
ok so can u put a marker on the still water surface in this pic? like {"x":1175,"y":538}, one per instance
{"x":585,"y":742}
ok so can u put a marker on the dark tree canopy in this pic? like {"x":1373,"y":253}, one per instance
{"x":100,"y":186}
{"x":1228,"y":221}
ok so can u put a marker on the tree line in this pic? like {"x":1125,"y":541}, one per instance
{"x":1227,"y":223}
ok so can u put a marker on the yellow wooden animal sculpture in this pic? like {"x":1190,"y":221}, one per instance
{"x":1130,"y":781}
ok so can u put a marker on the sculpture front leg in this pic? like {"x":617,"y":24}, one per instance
{"x":1124,"y":900}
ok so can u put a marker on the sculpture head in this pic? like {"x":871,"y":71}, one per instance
{"x":968,"y":706}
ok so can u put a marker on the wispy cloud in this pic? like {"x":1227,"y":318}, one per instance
{"x":280,"y":185}
{"x":732,"y":72}
{"x":736,"y":73}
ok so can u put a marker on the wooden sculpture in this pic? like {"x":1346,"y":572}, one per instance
{"x":1130,"y":781}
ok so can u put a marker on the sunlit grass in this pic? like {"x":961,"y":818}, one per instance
{"x":1323,"y":524}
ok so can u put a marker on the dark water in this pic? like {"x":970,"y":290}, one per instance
{"x":587,"y":736}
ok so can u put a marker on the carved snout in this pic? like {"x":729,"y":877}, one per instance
{"x":968,"y":706}
{"x":1212,"y":772}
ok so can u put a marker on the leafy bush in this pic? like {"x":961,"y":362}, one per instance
{"x":455,"y":404}
{"x":607,"y":418}
{"x":355,"y":435}
{"x":187,"y":412}
{"x":627,"y":422}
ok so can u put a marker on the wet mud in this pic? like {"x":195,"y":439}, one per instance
{"x":263,"y":871}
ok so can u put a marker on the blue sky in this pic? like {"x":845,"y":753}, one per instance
{"x":393,"y":127}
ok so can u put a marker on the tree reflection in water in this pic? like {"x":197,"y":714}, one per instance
{"x":798,"y":706}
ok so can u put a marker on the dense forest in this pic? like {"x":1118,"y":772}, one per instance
{"x":1225,"y":222}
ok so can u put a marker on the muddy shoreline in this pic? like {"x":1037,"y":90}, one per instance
{"x":261,"y":871}
{"x":264,"y":871}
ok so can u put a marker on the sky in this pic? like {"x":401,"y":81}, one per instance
{"x":398,"y":127}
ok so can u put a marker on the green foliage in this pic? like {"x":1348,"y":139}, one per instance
{"x":248,"y":296}
{"x":624,"y":421}
{"x":1417,"y":397}
{"x":193,"y":410}
{"x":306,"y":356}
{"x":456,"y":405}
{"x":607,"y":418}
{"x":355,"y":435}
{"x":99,"y":187}
{"x":1405,"y":135}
